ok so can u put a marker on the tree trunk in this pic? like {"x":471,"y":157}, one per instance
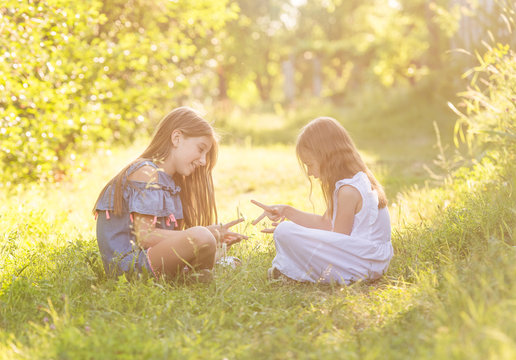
{"x":289,"y":86}
{"x":223,"y":84}
{"x":263,"y":89}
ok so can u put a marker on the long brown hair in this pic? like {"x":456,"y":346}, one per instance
{"x":197,"y":192}
{"x":330,"y":145}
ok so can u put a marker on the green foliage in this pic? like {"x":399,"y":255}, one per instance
{"x":251,"y":48}
{"x":343,"y":45}
{"x":367,"y":42}
{"x":487,"y":111}
{"x":76,"y":74}
{"x":490,"y":104}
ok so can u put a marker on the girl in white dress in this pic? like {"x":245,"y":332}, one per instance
{"x":352,"y":239}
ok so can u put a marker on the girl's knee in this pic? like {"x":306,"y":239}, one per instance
{"x":202,"y":239}
{"x":283,"y":231}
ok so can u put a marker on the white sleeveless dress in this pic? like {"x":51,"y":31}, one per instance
{"x":306,"y":254}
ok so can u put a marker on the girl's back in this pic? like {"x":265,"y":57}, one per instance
{"x":370,"y":223}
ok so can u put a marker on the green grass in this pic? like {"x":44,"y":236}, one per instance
{"x":450,"y":291}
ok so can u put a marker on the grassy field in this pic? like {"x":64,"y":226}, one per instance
{"x":450,"y":291}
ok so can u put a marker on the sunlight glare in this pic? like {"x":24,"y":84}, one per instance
{"x":395,"y":4}
{"x":298,"y":3}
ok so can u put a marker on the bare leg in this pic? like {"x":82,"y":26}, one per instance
{"x":195,"y":246}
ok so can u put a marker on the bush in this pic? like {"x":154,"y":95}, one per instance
{"x":74,"y":74}
{"x":490,"y":105}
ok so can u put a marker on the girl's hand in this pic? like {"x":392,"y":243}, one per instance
{"x":274,"y":224}
{"x":274,"y":212}
{"x":223,"y":235}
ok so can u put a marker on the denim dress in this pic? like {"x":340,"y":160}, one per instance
{"x":115,"y":235}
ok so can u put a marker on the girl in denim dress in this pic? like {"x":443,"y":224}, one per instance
{"x":157,"y":215}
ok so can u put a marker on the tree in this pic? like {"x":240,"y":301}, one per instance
{"x":74,"y":74}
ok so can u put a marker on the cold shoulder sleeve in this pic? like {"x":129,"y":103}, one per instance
{"x":154,"y":199}
{"x":159,"y":198}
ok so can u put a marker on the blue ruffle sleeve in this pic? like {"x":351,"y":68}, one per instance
{"x":160,"y":199}
{"x":153,"y":199}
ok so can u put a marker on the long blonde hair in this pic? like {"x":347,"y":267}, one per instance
{"x":197,"y":191}
{"x":328,"y":143}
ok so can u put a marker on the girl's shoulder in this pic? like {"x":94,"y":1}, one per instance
{"x":144,"y":173}
{"x":140,"y":165}
{"x":347,"y":194}
{"x":147,"y":172}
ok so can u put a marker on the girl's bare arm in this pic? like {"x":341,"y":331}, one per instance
{"x":307,"y":219}
{"x":349,"y":203}
{"x":280,"y":212}
{"x":146,"y":233}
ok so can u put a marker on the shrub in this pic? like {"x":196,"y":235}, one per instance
{"x":75,"y":74}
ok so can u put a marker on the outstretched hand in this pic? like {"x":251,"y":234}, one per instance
{"x":224,"y":235}
{"x":273,"y":212}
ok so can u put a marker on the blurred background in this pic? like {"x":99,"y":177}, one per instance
{"x":79,"y":76}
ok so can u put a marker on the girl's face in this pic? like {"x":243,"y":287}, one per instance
{"x":312,"y":166}
{"x":189,"y":153}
